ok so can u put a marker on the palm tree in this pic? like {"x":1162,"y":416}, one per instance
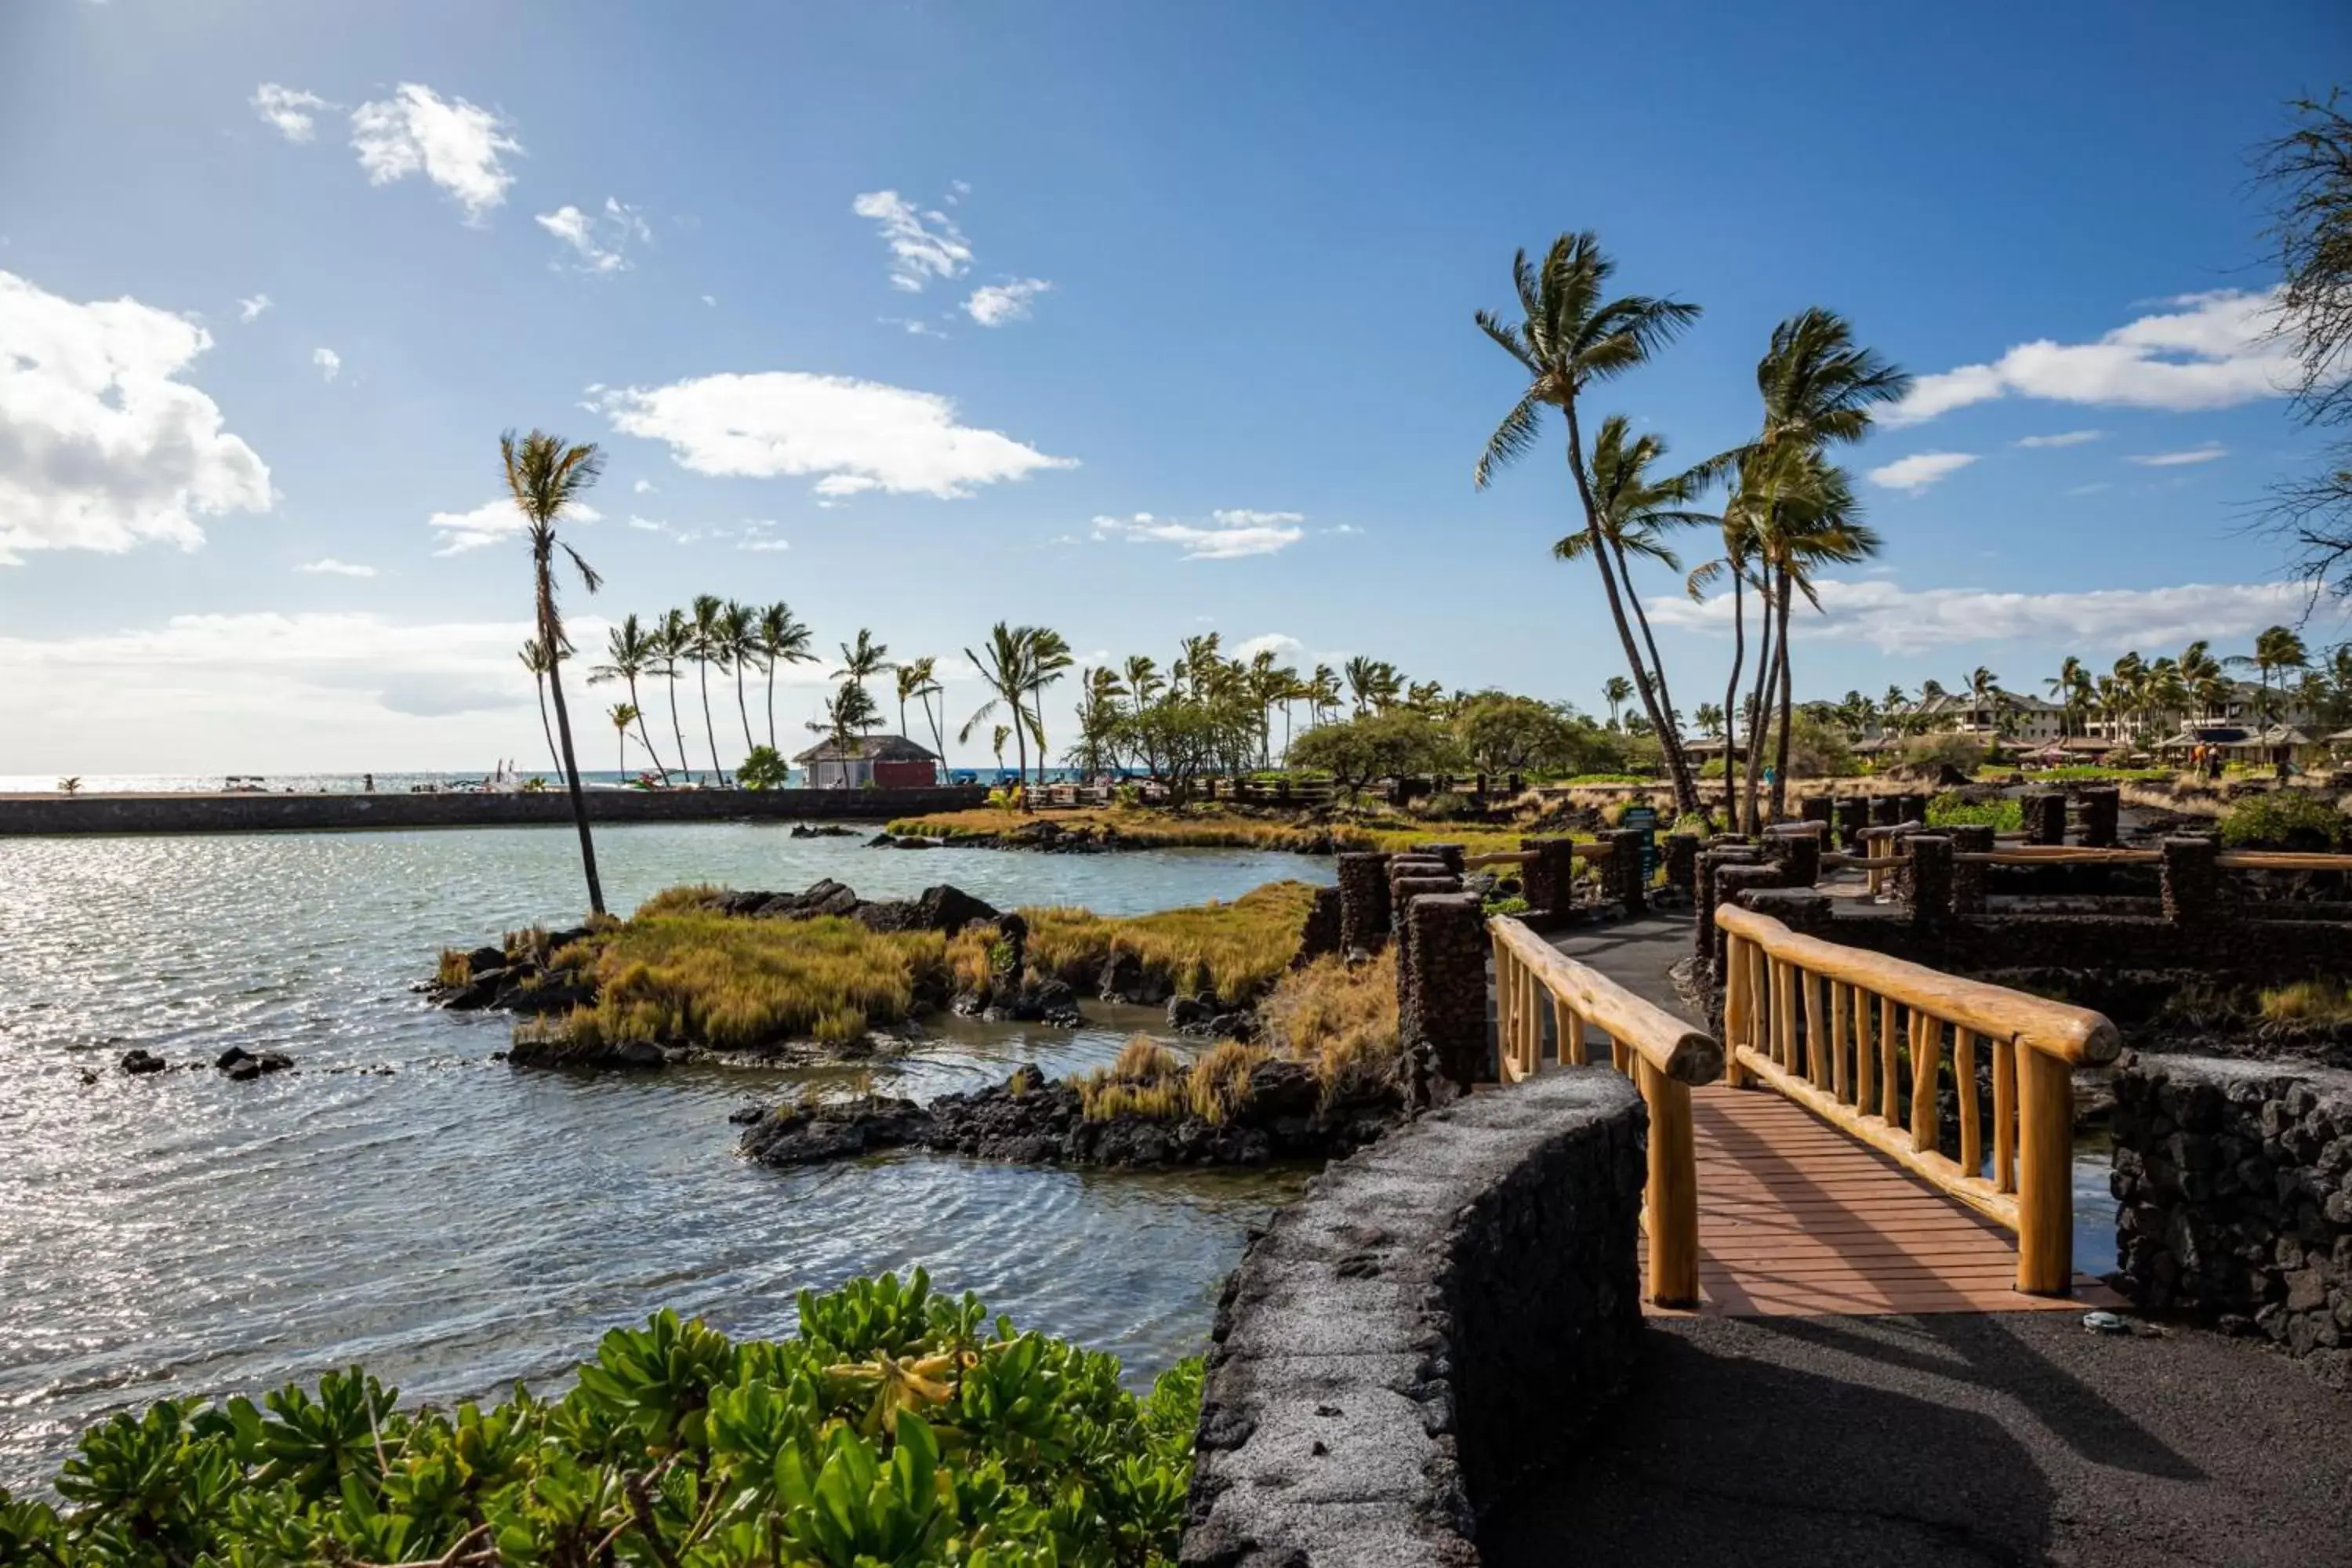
{"x":533,"y":655}
{"x":546,"y":475}
{"x":848,"y":716}
{"x":1049,"y":656}
{"x":1738,"y":552}
{"x":1817,"y":522}
{"x":997,"y":739}
{"x":2275,"y":647}
{"x":630,"y":652}
{"x":1984,"y":685}
{"x":1819,"y":389}
{"x":673,"y":644}
{"x":1323,"y":691}
{"x":1144,"y":682}
{"x":2201,"y":672}
{"x":1570,"y":337}
{"x":917,"y":679}
{"x":707,"y":646}
{"x":623,"y":715}
{"x":738,"y":631}
{"x":782,"y":640}
{"x":2064,"y":686}
{"x":1004,"y":668}
{"x":1615,"y":691}
{"x":1710,"y":721}
{"x":863,"y":659}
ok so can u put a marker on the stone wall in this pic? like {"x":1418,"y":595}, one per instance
{"x":1392,"y":1341}
{"x":332,"y":813}
{"x":2234,"y":1186}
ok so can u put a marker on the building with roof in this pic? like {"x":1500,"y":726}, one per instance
{"x":878,"y":761}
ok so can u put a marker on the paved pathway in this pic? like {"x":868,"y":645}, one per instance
{"x":1945,"y":1440}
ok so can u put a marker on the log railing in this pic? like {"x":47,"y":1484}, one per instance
{"x":1663,"y":1055}
{"x":1592,"y":851}
{"x":1858,"y":1038}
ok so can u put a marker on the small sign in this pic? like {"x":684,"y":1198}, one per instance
{"x":1644,"y":819}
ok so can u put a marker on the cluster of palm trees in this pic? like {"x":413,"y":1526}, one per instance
{"x":2138,"y":692}
{"x":1787,"y":509}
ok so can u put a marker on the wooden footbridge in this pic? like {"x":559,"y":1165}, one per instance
{"x":1794,"y":1165}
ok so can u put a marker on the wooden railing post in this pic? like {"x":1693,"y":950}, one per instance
{"x":2045,"y":1175}
{"x":1670,"y":1201}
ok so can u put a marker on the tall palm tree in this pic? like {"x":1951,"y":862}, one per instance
{"x":1817,"y":522}
{"x":738,"y":631}
{"x":673,"y":644}
{"x":546,"y":476}
{"x":1323,"y":691}
{"x":1819,"y":389}
{"x":1144,"y":682}
{"x":782,"y":640}
{"x":2275,"y":647}
{"x":533,"y":655}
{"x":1004,"y":667}
{"x":629,"y":653}
{"x":918,"y":679}
{"x":707,"y":646}
{"x":2201,"y":672}
{"x":1570,"y":337}
{"x":623,"y":715}
{"x":862,"y":660}
{"x":1049,"y":658}
{"x":2064,"y":686}
{"x":1984,"y":686}
{"x":1738,"y":535}
{"x":1616,"y":691}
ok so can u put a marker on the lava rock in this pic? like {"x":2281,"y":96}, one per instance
{"x":483,"y":959}
{"x":1125,"y":979}
{"x":1188,"y":1012}
{"x":636,"y":1055}
{"x":138,"y":1062}
{"x":797,"y":1135}
{"x":242,"y":1065}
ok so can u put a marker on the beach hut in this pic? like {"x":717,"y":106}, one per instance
{"x":881,"y":761}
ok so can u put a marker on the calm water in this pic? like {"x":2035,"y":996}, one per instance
{"x":457,"y":1225}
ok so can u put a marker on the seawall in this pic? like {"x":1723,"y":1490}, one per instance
{"x":191,"y":813}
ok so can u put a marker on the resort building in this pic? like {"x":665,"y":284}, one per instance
{"x":883,"y":762}
{"x":2013,"y":715}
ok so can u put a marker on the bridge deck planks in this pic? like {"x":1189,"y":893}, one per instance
{"x":1797,"y":1219}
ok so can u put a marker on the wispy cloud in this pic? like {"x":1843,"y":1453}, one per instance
{"x":493,"y":522}
{"x":329,"y":363}
{"x":1227,"y":535}
{"x":995,"y":304}
{"x":249,"y":310}
{"x":331,"y":567}
{"x":2212,"y":350}
{"x":454,"y":144}
{"x":924,"y":244}
{"x":1921,"y":469}
{"x":2204,"y":454}
{"x":2063,"y":438}
{"x":291,"y":111}
{"x":599,"y":241}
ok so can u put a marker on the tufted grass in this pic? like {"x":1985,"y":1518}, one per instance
{"x":1220,"y":827}
{"x":1234,"y":952}
{"x":1343,"y":1020}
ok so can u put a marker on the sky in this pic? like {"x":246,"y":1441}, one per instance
{"x":1135,"y":322}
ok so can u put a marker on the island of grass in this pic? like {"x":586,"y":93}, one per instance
{"x":1212,"y":826}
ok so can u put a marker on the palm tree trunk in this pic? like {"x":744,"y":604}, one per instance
{"x":621,"y":750}
{"x":678,"y":729}
{"x":742,"y":711}
{"x":709,"y":730}
{"x":1019,"y":751}
{"x":1669,"y":740}
{"x":772,"y":705}
{"x":1759,"y":719}
{"x":643,"y":738}
{"x":555,"y":757}
{"x":1731,"y":688}
{"x":1641,"y":617}
{"x":1780,"y":740}
{"x":563,"y":730}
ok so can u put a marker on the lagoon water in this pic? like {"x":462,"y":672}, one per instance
{"x":457,"y":1225}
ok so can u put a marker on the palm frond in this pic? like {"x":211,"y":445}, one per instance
{"x":1512,"y":439}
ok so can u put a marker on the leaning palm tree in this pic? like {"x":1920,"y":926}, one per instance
{"x":533,"y":655}
{"x":546,"y":476}
{"x":1616,"y":691}
{"x":2064,"y":686}
{"x":933,"y":697}
{"x":629,"y":653}
{"x":673,"y":644}
{"x":739,"y":630}
{"x":912,"y":675}
{"x":1817,"y":523}
{"x":705,"y":646}
{"x":782,"y":640}
{"x":863,"y":659}
{"x":1049,"y":657}
{"x":2275,"y":647}
{"x":1004,"y":666}
{"x":1570,"y":337}
{"x":1323,"y":693}
{"x":623,"y":715}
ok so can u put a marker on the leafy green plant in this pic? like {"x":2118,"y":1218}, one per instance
{"x":762,"y":768}
{"x":1948,"y":810}
{"x":900,"y":1429}
{"x":69,"y":785}
{"x":2283,"y":819}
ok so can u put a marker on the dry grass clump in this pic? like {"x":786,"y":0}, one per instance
{"x":2308,"y":1004}
{"x":1342,"y":1020}
{"x":1146,"y":1081}
{"x":455,"y":971}
{"x":1234,"y":952}
{"x":1220,"y":1081}
{"x":748,"y":984}
{"x":1218,"y":827}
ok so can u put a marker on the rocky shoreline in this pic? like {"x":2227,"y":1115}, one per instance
{"x":1282,"y":1117}
{"x":1043,"y":835}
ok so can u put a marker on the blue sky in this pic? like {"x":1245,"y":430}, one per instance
{"x":1175,"y":335}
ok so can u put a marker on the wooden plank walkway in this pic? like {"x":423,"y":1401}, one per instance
{"x":1798,"y":1219}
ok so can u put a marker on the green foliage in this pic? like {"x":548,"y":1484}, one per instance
{"x":1500,"y":734}
{"x":1513,"y":905}
{"x":764,"y":768}
{"x":1376,"y":745}
{"x":900,"y":1429}
{"x":1948,"y":810}
{"x":2149,"y":775}
{"x":1966,"y":752}
{"x":2283,"y":819}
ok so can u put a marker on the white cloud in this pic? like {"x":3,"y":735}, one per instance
{"x":2204,"y":454}
{"x":249,"y":310}
{"x":600,"y":241}
{"x":710,"y":299}
{"x":643,"y":486}
{"x":330,"y":362}
{"x":331,"y":567}
{"x":2214,"y":351}
{"x":450,"y":141}
{"x":912,"y":326}
{"x":1898,"y":620}
{"x":1917,"y":471}
{"x":856,"y":435}
{"x":923,"y":245}
{"x":494,"y":522}
{"x":764,"y":544}
{"x":1228,"y":536}
{"x":1282,"y":644}
{"x":2090,"y":490}
{"x":2063,"y":438}
{"x":292,"y":112}
{"x":993,"y":304}
{"x":1343,"y":528}
{"x":101,"y":445}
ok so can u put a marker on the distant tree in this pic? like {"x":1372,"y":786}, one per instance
{"x":1394,"y":744}
{"x":1616,"y":691}
{"x":630,"y":652}
{"x":781,"y":639}
{"x":533,"y":655}
{"x":707,"y":644}
{"x":623,"y":715}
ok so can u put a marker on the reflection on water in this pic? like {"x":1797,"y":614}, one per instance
{"x":457,"y":1225}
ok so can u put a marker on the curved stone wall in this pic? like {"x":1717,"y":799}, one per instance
{"x":1392,"y":1341}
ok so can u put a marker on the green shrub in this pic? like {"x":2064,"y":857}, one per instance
{"x":2283,"y":819}
{"x":763,"y":769}
{"x":901,"y":1427}
{"x":1966,"y":752}
{"x":1948,"y":810}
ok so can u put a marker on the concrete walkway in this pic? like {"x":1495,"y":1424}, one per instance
{"x":1922,"y":1441}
